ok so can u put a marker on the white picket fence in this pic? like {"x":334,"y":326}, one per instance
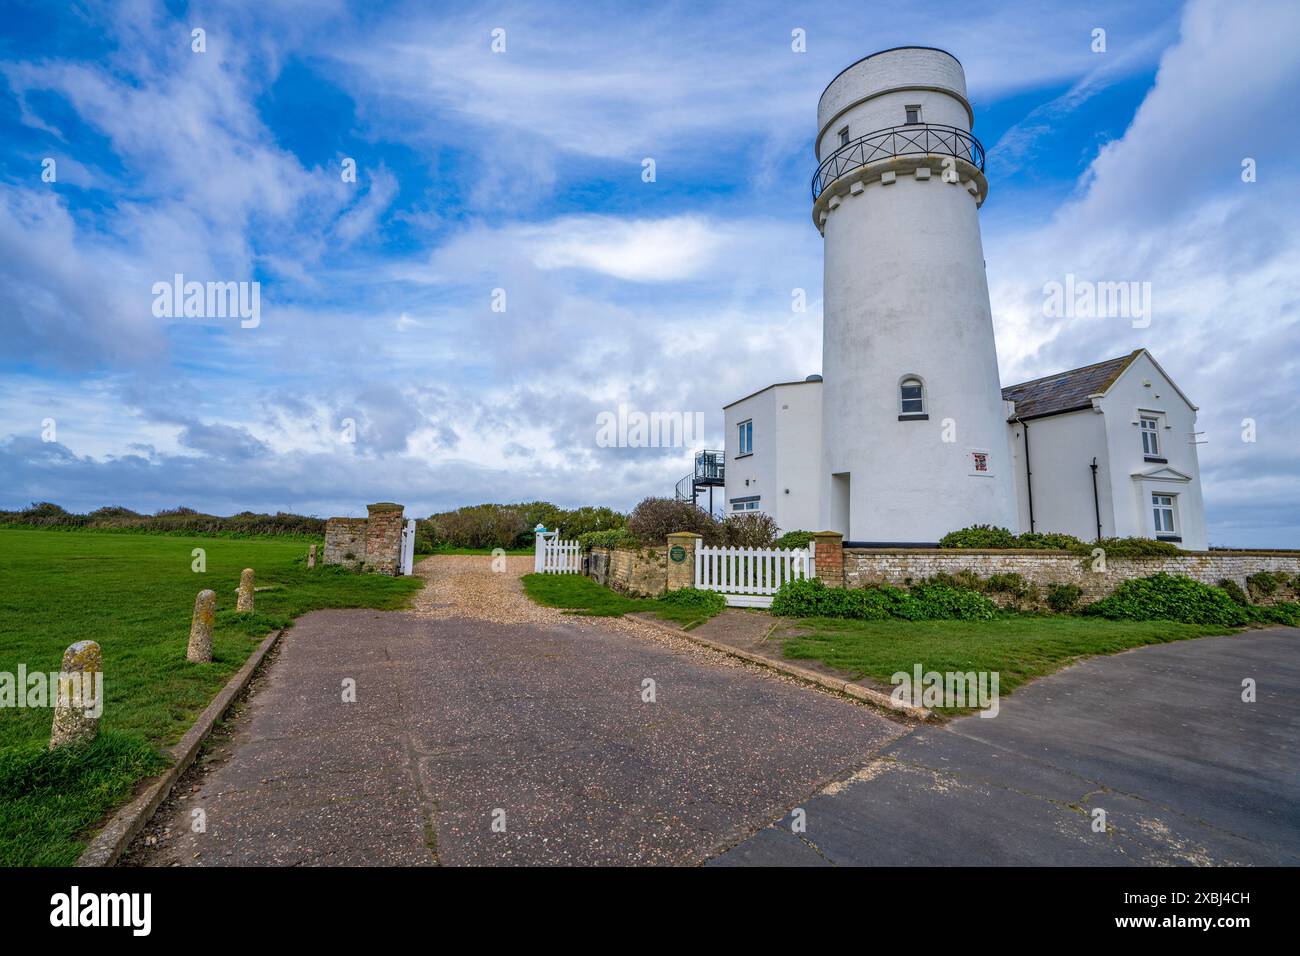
{"x":553,"y":556}
{"x":748,"y":577}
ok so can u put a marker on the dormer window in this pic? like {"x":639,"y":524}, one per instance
{"x":913,"y":114}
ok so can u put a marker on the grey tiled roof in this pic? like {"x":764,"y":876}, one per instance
{"x":1065,"y":391}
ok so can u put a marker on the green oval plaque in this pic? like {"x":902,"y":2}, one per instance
{"x":677,"y":553}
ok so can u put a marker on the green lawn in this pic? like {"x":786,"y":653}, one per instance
{"x":1017,"y":648}
{"x":581,"y":595}
{"x":134,"y":594}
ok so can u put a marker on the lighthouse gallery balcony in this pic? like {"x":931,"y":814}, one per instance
{"x":913,"y":139}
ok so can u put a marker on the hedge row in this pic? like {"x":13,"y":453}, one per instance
{"x":1158,"y":597}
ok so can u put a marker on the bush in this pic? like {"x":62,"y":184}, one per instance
{"x":1132,"y":548}
{"x":1234,"y":591}
{"x":1285,"y":612}
{"x":614,"y":538}
{"x":979,"y":536}
{"x":1264,"y":584}
{"x":988,"y":537}
{"x":749,"y":530}
{"x":928,"y":601}
{"x":1063,"y":598}
{"x":1009,"y":583}
{"x":710,"y":601}
{"x":792,"y":540}
{"x":1170,"y":597}
{"x":656,"y":518}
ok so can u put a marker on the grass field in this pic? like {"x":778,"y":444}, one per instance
{"x":1017,"y":648}
{"x":581,"y":595}
{"x":134,"y":594}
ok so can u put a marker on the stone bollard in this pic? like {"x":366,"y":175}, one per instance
{"x":245,"y":600}
{"x":81,"y":689}
{"x":311,"y":557}
{"x":205,"y":613}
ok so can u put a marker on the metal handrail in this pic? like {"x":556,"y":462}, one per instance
{"x":913,"y":139}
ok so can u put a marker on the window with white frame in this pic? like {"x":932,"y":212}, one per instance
{"x":1162,"y":508}
{"x":911,"y":397}
{"x":1150,"y":436}
{"x":746,"y":442}
{"x":913,"y":114}
{"x":844,"y":136}
{"x":745,"y":504}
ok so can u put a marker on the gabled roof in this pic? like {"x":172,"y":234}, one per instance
{"x":1066,"y":391}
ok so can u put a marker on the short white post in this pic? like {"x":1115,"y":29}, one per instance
{"x":539,"y":548}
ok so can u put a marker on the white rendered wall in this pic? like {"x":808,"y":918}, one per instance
{"x":797,"y":494}
{"x":1124,"y":441}
{"x":1061,"y":449}
{"x":753,"y":474}
{"x":787,"y":454}
{"x":906,"y":294}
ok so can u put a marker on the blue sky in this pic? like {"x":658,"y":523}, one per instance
{"x":521,"y":170}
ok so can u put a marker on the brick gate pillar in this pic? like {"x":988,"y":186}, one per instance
{"x":829,"y":557}
{"x":681,"y":573}
{"x":384,"y":537}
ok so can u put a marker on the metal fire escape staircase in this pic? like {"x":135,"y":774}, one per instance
{"x":709,"y":473}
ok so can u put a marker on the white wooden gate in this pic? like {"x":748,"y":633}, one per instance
{"x":553,"y":556}
{"x":748,"y":577}
{"x":407,"y":559}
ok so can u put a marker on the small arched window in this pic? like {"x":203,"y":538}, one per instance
{"x":911,"y":397}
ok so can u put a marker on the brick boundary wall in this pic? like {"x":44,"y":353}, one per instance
{"x":374,"y":543}
{"x":640,"y":573}
{"x":864,"y":566}
{"x":343,"y":537}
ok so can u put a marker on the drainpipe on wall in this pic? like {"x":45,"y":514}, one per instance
{"x":1096,"y":501}
{"x":1029,"y":475}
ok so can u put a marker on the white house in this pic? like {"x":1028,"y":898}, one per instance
{"x":773,"y":454}
{"x":1108,"y":450}
{"x":911,"y":435}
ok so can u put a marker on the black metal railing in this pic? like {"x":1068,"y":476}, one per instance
{"x":710,"y":465}
{"x":914,"y":139}
{"x":710,"y":472}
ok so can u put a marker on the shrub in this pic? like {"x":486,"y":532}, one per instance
{"x":979,"y":536}
{"x":928,"y":601}
{"x":656,"y":518}
{"x":709,"y":601}
{"x":750,"y":530}
{"x":1264,"y":584}
{"x":1284,"y":612}
{"x":1170,"y":597}
{"x":1063,"y":598}
{"x":1131,"y":547}
{"x":934,"y":602}
{"x":989,"y":537}
{"x":1234,"y":591}
{"x":1009,"y":583}
{"x":793,"y":539}
{"x":613,"y":538}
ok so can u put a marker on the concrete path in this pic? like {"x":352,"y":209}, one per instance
{"x":477,"y":707}
{"x":1158,"y":737}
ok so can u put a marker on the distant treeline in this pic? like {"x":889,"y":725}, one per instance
{"x":509,"y":526}
{"x":45,"y":514}
{"x":475,"y":526}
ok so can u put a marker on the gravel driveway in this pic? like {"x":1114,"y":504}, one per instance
{"x":488,"y":730}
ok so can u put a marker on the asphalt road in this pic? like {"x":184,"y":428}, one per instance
{"x":1159,"y":738}
{"x":541,"y":727}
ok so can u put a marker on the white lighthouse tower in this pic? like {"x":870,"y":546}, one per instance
{"x":914,"y":433}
